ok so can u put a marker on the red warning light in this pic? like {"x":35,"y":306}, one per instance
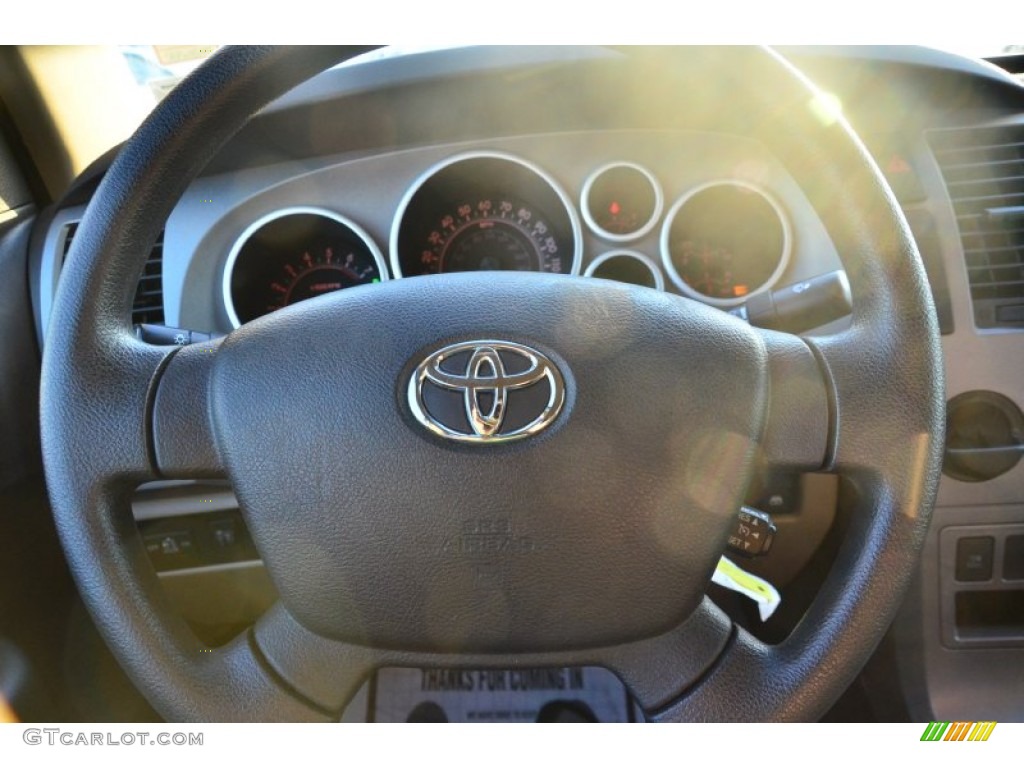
{"x":897,"y":164}
{"x":740,"y":290}
{"x":614,"y":209}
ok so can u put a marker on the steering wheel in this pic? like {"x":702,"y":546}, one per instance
{"x":601,"y":530}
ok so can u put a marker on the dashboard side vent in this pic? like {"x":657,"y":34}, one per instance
{"x":984,"y":173}
{"x":148,"y":305}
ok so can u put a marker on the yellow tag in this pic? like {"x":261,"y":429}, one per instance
{"x":731,"y":576}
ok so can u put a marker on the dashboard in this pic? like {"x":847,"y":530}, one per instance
{"x":504,"y":160}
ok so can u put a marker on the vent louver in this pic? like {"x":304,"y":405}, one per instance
{"x":984,"y":173}
{"x":148,"y":305}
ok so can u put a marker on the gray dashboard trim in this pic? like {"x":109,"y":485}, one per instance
{"x":944,"y":678}
{"x":976,"y":358}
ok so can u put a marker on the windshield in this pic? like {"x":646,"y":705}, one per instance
{"x":158,"y":68}
{"x":131,"y":79}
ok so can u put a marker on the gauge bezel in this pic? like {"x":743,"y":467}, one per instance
{"x":650,"y":224}
{"x":423,"y":178}
{"x":280,"y":213}
{"x":693,"y":293}
{"x":647,"y":261}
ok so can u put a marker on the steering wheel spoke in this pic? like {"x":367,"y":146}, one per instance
{"x":798,"y":430}
{"x":327,"y":673}
{"x":99,"y":433}
{"x":746,"y":665}
{"x":182,"y":427}
{"x":233,"y":680}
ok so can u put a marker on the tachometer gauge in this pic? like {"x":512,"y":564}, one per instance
{"x":485,"y":211}
{"x":294,"y":255}
{"x":724,"y":241}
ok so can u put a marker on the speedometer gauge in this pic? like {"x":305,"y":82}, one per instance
{"x":485,"y":211}
{"x":293,"y":255}
{"x":492,"y":234}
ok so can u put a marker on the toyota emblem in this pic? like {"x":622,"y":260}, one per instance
{"x":486,"y":392}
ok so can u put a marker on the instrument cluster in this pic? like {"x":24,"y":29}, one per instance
{"x":721,"y":242}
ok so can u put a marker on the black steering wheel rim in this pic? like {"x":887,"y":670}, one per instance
{"x":881,"y":379}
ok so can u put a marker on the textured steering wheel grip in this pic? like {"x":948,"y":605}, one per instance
{"x":885,"y":375}
{"x":97,"y":381}
{"x":887,"y":423}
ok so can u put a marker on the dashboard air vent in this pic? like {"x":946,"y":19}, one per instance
{"x":148,"y":305}
{"x":984,"y":173}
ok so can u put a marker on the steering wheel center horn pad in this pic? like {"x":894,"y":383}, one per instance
{"x":601,"y":529}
